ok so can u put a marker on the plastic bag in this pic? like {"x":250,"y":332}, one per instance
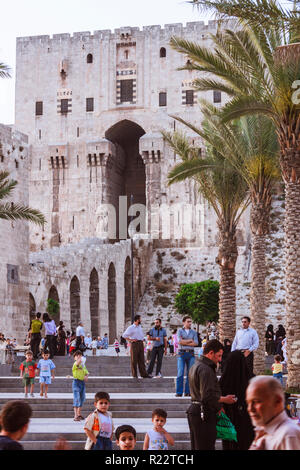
{"x":225,"y":429}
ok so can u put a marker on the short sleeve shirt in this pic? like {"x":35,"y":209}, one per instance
{"x":160,"y":333}
{"x":106,"y":425}
{"x":45,"y":367}
{"x":28,"y":369}
{"x":187,"y":334}
{"x":157,"y":441}
{"x":36,"y":326}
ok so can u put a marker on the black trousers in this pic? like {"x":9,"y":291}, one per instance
{"x":157,"y":352}
{"x":50,"y":344}
{"x":35,"y":343}
{"x":249,"y":362}
{"x":203,"y":432}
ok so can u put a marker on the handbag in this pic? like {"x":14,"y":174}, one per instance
{"x":225,"y":429}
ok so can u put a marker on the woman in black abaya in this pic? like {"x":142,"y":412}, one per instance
{"x":234,"y":381}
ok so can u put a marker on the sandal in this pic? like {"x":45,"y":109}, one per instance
{"x":81,"y":417}
{"x":77,"y":419}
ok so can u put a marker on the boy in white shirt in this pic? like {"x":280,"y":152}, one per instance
{"x":99,"y":424}
{"x":158,"y":438}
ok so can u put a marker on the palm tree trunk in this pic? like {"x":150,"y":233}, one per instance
{"x":292,"y":281}
{"x":257,"y":297}
{"x":260,"y":228}
{"x":227,"y":300}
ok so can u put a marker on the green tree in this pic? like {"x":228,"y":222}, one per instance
{"x":258,"y":67}
{"x":226,"y":192}
{"x":199,"y":300}
{"x":52,"y":307}
{"x":250,"y":144}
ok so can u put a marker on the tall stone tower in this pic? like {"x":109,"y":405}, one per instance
{"x":93,"y":106}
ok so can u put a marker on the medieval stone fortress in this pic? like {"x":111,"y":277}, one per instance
{"x":89,"y":112}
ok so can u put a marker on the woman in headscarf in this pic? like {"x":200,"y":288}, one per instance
{"x":61,"y":339}
{"x":234,"y":381}
{"x":270,"y":343}
{"x":279,"y":336}
{"x":226,"y":352}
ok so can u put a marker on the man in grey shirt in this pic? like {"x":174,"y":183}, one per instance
{"x":187,"y":340}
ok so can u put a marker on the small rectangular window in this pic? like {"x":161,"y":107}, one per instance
{"x":189,"y":96}
{"x":64,"y":108}
{"x":77,"y":131}
{"x":39,"y":108}
{"x":40,"y":134}
{"x":163,"y":99}
{"x":126,"y":91}
{"x":89,"y":104}
{"x":217,"y":96}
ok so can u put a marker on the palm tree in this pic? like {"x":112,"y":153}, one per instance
{"x":259,"y":76}
{"x":225,"y":190}
{"x":4,"y":71}
{"x":252,"y":148}
{"x":12,"y":211}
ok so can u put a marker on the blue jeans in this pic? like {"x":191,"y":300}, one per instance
{"x":103,"y":443}
{"x":279,"y":376}
{"x":183,"y":359}
{"x":78,"y":387}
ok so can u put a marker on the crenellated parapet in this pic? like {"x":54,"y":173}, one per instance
{"x":151,"y":148}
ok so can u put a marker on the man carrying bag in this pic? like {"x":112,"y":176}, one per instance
{"x":206,"y":397}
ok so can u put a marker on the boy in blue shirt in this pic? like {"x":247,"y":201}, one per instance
{"x":46,"y":368}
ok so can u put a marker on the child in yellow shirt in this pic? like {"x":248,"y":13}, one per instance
{"x":277,"y":369}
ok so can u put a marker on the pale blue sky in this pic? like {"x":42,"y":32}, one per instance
{"x":35,"y":17}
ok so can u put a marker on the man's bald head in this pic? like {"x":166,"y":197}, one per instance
{"x":265,"y":399}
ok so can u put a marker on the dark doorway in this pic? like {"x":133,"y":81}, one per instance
{"x":53,"y":294}
{"x":32,"y":307}
{"x":74,"y":302}
{"x":112,"y":304}
{"x":127,"y":174}
{"x":127,"y":290}
{"x":94,"y":302}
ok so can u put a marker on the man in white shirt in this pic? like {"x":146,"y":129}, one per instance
{"x":274,"y":430}
{"x":246,"y":340}
{"x":79,"y":335}
{"x":135,"y":336}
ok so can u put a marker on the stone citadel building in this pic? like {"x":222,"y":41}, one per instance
{"x":93,"y":106}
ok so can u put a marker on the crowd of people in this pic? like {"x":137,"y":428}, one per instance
{"x":251,"y":410}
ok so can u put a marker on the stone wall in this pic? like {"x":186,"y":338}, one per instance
{"x":82,"y":159}
{"x":14,"y":240}
{"x":74,"y":264}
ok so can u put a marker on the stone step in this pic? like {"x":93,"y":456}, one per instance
{"x":117,"y":413}
{"x":79,"y":445}
{"x":81,"y":437}
{"x":177,"y":403}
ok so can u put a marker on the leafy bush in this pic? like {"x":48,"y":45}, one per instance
{"x":200,"y":300}
{"x":52,"y":307}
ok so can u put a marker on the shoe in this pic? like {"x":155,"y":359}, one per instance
{"x":46,"y":396}
{"x":32,"y":395}
{"x":26,"y":395}
{"x":187,"y":394}
{"x":81,"y":417}
{"x":178,"y":395}
{"x":158,"y":376}
{"x":77,"y":419}
{"x":148,"y":377}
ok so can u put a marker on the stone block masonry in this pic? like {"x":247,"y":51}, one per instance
{"x":14,"y":239}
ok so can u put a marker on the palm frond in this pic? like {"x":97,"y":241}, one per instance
{"x":11,"y":211}
{"x":5,"y":71}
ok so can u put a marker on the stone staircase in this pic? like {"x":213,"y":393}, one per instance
{"x":132,"y":401}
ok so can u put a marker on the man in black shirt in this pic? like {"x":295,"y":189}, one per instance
{"x":14,"y":420}
{"x":206,"y":397}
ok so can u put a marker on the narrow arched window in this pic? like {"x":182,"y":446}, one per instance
{"x":126,"y":53}
{"x":89,"y":58}
{"x":163,"y":52}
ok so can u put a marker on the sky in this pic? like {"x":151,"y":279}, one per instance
{"x":37,"y":17}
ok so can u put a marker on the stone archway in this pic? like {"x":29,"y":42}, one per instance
{"x":112,"y":303}
{"x":74,"y":303}
{"x":126,"y":175}
{"x":53,"y":294}
{"x":94,"y":302}
{"x":127,"y":291}
{"x":32,"y":307}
